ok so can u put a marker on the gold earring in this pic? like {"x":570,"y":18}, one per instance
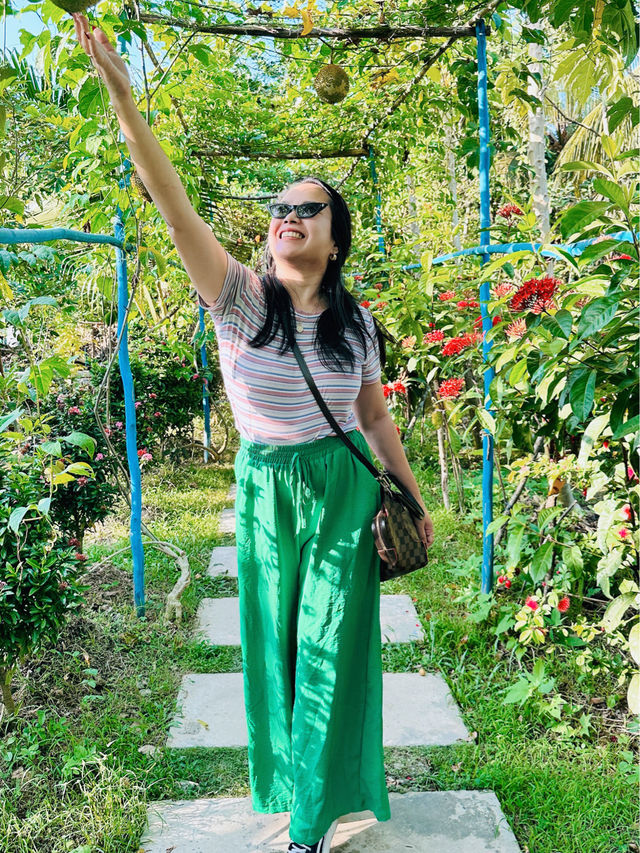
{"x":333,"y":257}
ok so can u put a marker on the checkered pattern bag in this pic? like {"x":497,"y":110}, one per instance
{"x":400,"y":548}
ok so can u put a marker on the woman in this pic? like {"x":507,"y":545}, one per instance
{"x":308,"y":571}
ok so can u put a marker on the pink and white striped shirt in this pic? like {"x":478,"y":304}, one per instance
{"x":269,"y":398}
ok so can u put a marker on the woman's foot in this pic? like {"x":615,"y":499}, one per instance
{"x":322,"y":846}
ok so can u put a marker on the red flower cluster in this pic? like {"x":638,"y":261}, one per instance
{"x":365,"y":303}
{"x":433,"y":337}
{"x":564,"y":604}
{"x":450,"y":387}
{"x":448,"y":294}
{"x":456,"y":345}
{"x":397,"y":387}
{"x":468,"y":303}
{"x":535,"y":294}
{"x":509,"y":210}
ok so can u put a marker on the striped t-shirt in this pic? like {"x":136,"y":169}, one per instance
{"x":269,"y":398}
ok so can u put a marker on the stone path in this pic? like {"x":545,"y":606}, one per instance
{"x":417,"y":711}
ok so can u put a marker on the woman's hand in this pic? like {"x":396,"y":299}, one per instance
{"x":105,"y":58}
{"x":424,"y":526}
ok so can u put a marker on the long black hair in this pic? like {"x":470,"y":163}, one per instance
{"x":331,"y":344}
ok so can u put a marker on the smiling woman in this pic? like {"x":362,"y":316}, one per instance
{"x":308,"y":568}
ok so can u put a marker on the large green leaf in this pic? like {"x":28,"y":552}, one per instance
{"x":582,"y":391}
{"x":581,"y":215}
{"x":597,"y":314}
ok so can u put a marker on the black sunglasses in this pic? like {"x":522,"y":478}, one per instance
{"x":304,"y":210}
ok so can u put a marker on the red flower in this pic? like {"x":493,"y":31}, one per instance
{"x":433,"y":337}
{"x":80,"y":557}
{"x":381,"y":304}
{"x":621,"y":258}
{"x":535,"y":294}
{"x":456,"y":345}
{"x":450,"y":387}
{"x":399,"y":387}
{"x":626,"y":510}
{"x":509,"y":210}
{"x":563,"y":604}
{"x":448,"y":294}
{"x":365,"y":303}
{"x":75,"y":543}
{"x":532,"y":603}
{"x":73,"y":410}
{"x":386,"y":390}
{"x":357,"y":278}
{"x":397,"y":429}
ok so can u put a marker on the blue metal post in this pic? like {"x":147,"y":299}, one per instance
{"x":206,"y":403}
{"x":485,"y":239}
{"x":374,"y":179}
{"x":124,"y":364}
{"x":135,"y":524}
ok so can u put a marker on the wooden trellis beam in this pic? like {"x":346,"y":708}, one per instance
{"x":381,"y":32}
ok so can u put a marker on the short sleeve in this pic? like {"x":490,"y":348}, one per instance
{"x":241,"y":284}
{"x":371,"y":371}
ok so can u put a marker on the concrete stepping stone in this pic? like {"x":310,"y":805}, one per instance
{"x":223,"y":561}
{"x":421,"y":821}
{"x":227,"y":520}
{"x":417,"y":710}
{"x":218,"y":620}
{"x":233,"y":491}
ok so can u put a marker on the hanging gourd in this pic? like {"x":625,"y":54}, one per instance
{"x":331,"y":83}
{"x":73,"y":6}
{"x":138,"y":183}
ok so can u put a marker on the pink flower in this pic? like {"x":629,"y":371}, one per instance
{"x":564,"y":604}
{"x":73,"y":410}
{"x":146,"y":457}
{"x":623,"y":533}
{"x":626,"y":511}
{"x":532,"y":603}
{"x":137,"y":404}
{"x":82,"y":481}
{"x":99,"y":456}
{"x":157,"y":415}
{"x":408,"y":342}
{"x":358,"y":277}
{"x":516,"y":329}
{"x":118,"y":425}
{"x":433,"y":337}
{"x":503,"y":288}
{"x":107,"y":431}
{"x":152,"y":396}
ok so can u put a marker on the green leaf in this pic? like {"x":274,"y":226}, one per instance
{"x":44,"y":504}
{"x":582,"y":392}
{"x":581,"y":215}
{"x":614,"y":192}
{"x":585,"y":166}
{"x":15,"y":519}
{"x":564,"y":321}
{"x":630,"y":426}
{"x":7,"y":420}
{"x":81,"y":468}
{"x":541,"y":562}
{"x":616,"y":609}
{"x":81,"y":439}
{"x":618,"y":112}
{"x":597,"y":314}
{"x":54,"y":448}
{"x":486,"y":419}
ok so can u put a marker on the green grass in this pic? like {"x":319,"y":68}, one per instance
{"x":73,"y":778}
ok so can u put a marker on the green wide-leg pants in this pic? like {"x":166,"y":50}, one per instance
{"x":309,"y":595}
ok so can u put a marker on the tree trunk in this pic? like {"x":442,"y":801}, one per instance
{"x":537,"y":140}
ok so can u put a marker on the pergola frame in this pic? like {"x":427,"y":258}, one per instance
{"x":476,"y":29}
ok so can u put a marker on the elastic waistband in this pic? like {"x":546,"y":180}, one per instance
{"x":274,"y":453}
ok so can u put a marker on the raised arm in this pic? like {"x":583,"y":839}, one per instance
{"x":204,"y":258}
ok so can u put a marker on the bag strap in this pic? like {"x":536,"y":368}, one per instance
{"x":385,"y":478}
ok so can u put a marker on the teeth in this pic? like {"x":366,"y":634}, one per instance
{"x":291,"y":234}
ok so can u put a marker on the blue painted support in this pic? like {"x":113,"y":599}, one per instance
{"x":485,"y":295}
{"x":374,"y":179}
{"x":206,"y":403}
{"x":43,"y":235}
{"x":135,"y":524}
